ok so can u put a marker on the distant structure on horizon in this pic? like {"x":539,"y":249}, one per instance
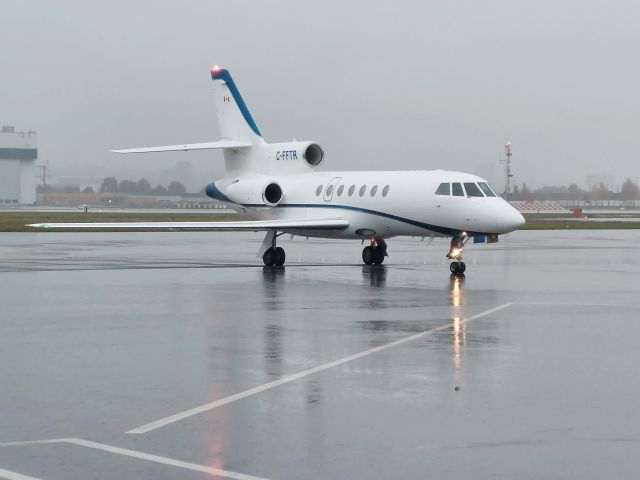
{"x":18,"y":154}
{"x":508,"y":176}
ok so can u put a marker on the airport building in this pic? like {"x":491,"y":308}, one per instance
{"x":18,"y":153}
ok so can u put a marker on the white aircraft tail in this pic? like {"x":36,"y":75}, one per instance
{"x":234,"y":118}
{"x":242,"y":144}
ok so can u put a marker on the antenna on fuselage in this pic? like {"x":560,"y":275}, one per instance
{"x":508,"y":176}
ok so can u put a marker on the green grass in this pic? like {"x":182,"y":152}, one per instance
{"x":619,"y":214}
{"x":548,"y":224}
{"x":566,"y":221}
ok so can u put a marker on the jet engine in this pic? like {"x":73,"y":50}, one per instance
{"x":313,"y":154}
{"x":272,"y":194}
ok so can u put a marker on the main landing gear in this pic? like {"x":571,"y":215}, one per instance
{"x":274,"y":256}
{"x":457,"y":267}
{"x":374,"y":254}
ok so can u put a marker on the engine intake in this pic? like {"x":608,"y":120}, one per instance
{"x":272,"y":194}
{"x":313,"y":155}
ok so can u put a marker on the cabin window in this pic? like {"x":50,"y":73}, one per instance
{"x":456,"y":189}
{"x":385,"y":190}
{"x":318,"y":190}
{"x":340,"y":190}
{"x":352,"y":189}
{"x":329,"y":190}
{"x":444,"y":189}
{"x":363,"y":189}
{"x":473,"y":190}
{"x":487,"y":189}
{"x":374,"y":189}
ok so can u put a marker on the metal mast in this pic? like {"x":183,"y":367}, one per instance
{"x":508,"y":176}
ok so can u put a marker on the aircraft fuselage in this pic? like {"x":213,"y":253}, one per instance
{"x":376,"y":203}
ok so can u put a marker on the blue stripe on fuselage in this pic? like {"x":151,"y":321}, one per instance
{"x":415,"y":223}
{"x":427,"y":226}
{"x":212,"y":191}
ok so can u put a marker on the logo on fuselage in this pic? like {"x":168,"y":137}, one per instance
{"x":286,"y":155}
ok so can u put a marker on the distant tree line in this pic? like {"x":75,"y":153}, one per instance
{"x":141,"y":187}
{"x":628,"y":191}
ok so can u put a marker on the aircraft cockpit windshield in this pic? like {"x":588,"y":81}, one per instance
{"x":486,"y":189}
{"x":470,"y":189}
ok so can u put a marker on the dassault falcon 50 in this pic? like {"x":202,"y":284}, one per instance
{"x":280,"y":190}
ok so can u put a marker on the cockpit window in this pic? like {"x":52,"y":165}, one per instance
{"x":457,"y":190}
{"x":473,"y":190}
{"x":444,"y":189}
{"x":487,"y":189}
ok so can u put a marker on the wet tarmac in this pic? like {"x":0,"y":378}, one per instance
{"x":177,"y":355}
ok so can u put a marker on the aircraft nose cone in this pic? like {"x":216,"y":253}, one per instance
{"x":508,"y":219}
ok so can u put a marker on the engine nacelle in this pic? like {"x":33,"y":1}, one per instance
{"x":313,"y":155}
{"x":297,"y":155}
{"x":253,"y":191}
{"x":272,"y":194}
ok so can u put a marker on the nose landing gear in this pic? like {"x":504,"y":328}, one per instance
{"x":457,"y":267}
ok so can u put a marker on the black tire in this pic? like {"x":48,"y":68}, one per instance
{"x":454,"y":267}
{"x":462,"y":268}
{"x":269,"y":258}
{"x":280,"y":256}
{"x":367,"y":255}
{"x":378,"y":255}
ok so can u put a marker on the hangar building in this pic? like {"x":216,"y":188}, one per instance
{"x":18,"y":153}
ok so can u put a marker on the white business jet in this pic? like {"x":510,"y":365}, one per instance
{"x":278,"y":188}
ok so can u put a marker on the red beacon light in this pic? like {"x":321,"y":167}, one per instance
{"x":215,"y":69}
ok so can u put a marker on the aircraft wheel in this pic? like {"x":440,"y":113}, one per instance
{"x":367,"y":255}
{"x":269,"y":258}
{"x":378,"y":255}
{"x":457,"y":268}
{"x":280,"y":256}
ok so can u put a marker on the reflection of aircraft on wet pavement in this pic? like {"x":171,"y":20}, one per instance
{"x":279,"y":189}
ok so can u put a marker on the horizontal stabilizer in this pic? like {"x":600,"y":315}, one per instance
{"x":234,"y":143}
{"x":249,"y":225}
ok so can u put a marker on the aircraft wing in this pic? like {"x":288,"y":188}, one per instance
{"x":249,"y":225}
{"x":233,"y":143}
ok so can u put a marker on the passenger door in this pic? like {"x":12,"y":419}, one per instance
{"x":331,"y":188}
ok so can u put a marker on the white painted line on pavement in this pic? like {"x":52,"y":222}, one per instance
{"x":33,"y":442}
{"x":296,"y":376}
{"x":9,"y":475}
{"x":158,"y":459}
{"x":577,"y":304}
{"x":6,"y":474}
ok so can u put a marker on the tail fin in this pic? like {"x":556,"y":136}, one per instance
{"x":234,"y":117}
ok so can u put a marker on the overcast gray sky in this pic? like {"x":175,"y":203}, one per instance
{"x":381,"y":85}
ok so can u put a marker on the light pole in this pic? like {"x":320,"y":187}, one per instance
{"x":507,"y":170}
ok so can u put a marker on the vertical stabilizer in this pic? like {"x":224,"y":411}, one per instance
{"x":234,"y":117}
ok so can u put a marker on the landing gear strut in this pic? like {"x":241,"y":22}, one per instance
{"x":374,"y":253}
{"x":457,"y":267}
{"x":274,"y":255}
